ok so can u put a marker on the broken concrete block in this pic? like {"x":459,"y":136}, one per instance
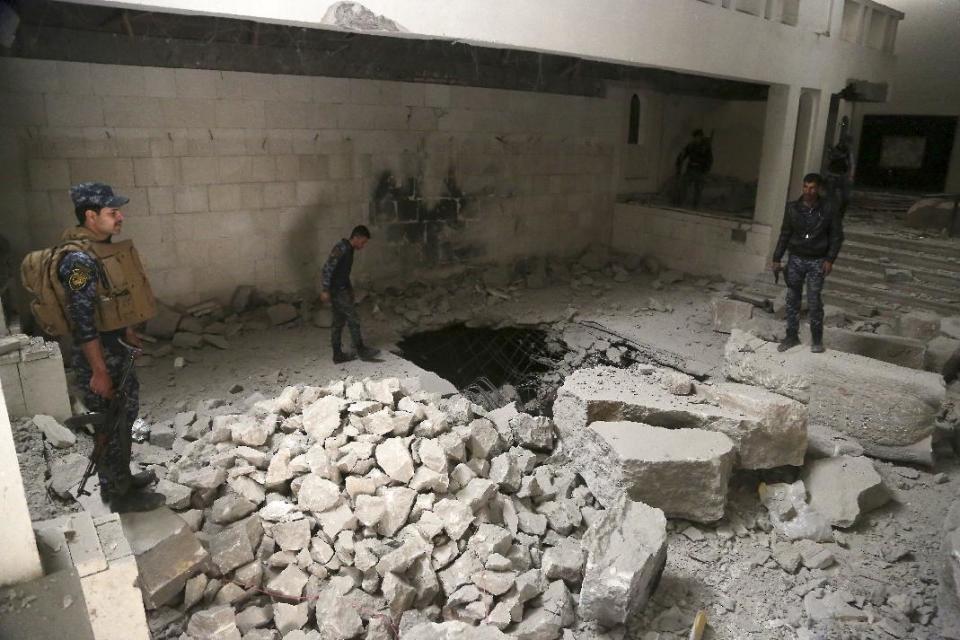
{"x":626,"y":553}
{"x":289,"y":583}
{"x":55,"y":433}
{"x":564,"y":561}
{"x":768,"y":430}
{"x":291,"y":536}
{"x":453,"y":630}
{"x":167,"y":552}
{"x":234,"y":546}
{"x":322,"y":417}
{"x":534,"y":433}
{"x":393,"y":456}
{"x":547,"y":620}
{"x":215,"y":623}
{"x":230,"y":508}
{"x":317,"y":494}
{"x":921,"y":325}
{"x":249,"y":431}
{"x":872,"y":401}
{"x":844,"y":488}
{"x":684,"y":472}
{"x":729,"y":314}
{"x":903,"y":352}
{"x":397,"y":501}
{"x":287,"y":618}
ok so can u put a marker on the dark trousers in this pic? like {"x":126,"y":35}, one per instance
{"x":113,"y":468}
{"x":798,"y":271}
{"x":694,"y":178}
{"x":344,"y":313}
{"x":838,"y":190}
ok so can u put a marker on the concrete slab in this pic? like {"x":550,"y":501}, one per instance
{"x":48,"y":608}
{"x":114,"y":602}
{"x":112,"y":539}
{"x":84,"y":545}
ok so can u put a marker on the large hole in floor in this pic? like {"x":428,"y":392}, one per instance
{"x":492,"y":367}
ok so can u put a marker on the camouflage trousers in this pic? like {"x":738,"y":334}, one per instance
{"x":344,"y":313}
{"x":113,"y":468}
{"x":798,"y":271}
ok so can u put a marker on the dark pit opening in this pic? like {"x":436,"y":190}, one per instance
{"x":492,"y":367}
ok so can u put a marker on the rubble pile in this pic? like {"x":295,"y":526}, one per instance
{"x":368,"y":507}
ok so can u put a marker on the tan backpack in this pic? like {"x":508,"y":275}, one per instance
{"x":38,"y":272}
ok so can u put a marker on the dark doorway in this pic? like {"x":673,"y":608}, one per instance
{"x":909,"y":153}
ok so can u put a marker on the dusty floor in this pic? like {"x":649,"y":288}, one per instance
{"x":886,"y":566}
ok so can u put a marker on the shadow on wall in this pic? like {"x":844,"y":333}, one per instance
{"x":433,"y":226}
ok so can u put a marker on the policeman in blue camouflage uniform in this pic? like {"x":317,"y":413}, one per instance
{"x":99,"y":358}
{"x":812,"y":231}
{"x":337,"y":290}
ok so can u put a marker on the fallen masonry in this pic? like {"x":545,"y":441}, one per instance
{"x":366,"y":505}
{"x":876,"y":403}
{"x":725,"y":426}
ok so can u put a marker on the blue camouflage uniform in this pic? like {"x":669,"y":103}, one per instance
{"x":335,"y":278}
{"x":80,"y":275}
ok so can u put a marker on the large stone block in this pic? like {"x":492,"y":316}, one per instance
{"x":904,"y":352}
{"x":684,"y":472}
{"x":844,"y":488}
{"x":167,"y":552}
{"x":44,"y":385}
{"x":767,"y":430}
{"x":921,"y":325}
{"x":626,"y":553}
{"x":872,"y":401}
{"x":943,"y":357}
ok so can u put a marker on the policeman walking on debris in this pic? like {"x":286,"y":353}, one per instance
{"x":107,"y":293}
{"x":337,"y":290}
{"x":813,"y":232}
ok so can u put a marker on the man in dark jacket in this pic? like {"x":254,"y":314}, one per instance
{"x":813,"y":232}
{"x":337,"y":290}
{"x":698,"y":155}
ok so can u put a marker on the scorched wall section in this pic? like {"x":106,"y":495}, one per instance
{"x":242,"y":178}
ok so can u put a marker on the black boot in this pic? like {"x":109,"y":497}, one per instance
{"x":789,"y":342}
{"x":143,"y":479}
{"x":340,"y":357}
{"x":368,"y":354}
{"x":133,"y":501}
{"x":816,"y":341}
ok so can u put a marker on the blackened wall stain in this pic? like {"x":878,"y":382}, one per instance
{"x":409,"y":217}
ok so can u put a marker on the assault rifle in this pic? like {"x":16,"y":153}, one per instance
{"x":106,"y":425}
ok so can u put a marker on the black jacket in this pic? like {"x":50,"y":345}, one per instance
{"x":810,"y":232}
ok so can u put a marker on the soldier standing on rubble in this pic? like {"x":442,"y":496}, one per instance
{"x":813,"y":232}
{"x":107,"y":294}
{"x":337,"y":290}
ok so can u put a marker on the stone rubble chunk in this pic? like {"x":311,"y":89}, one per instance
{"x":337,"y":519}
{"x":460,"y":572}
{"x":292,"y":535}
{"x":215,"y":623}
{"x":533,"y":432}
{"x":626,"y":553}
{"x":208,"y":478}
{"x":289,"y":583}
{"x":505,"y":471}
{"x":432,"y":455}
{"x":400,"y":594}
{"x":254,"y":617}
{"x":398,"y":501}
{"x":456,"y":516}
{"x":279,"y":472}
{"x":844,"y":488}
{"x":177,"y":495}
{"x":477,"y":493}
{"x":484,"y":440}
{"x":402,"y":558}
{"x":564,"y":561}
{"x":547,"y":621}
{"x":288,"y":618}
{"x":231,"y":508}
{"x":322,"y":417}
{"x":56,"y":434}
{"x":393,"y":456}
{"x":429,"y":480}
{"x":369,"y":509}
{"x":453,"y":630}
{"x":250,"y":431}
{"x":317,"y":494}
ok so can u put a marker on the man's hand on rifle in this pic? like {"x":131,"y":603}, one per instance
{"x":101,"y":384}
{"x":776,"y":266}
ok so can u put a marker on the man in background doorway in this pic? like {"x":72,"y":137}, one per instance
{"x":698,"y":155}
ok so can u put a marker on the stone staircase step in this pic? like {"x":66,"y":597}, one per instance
{"x":949,"y":293}
{"x":903,"y":258}
{"x":934,"y":246}
{"x":924,"y":275}
{"x":891,"y":296}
